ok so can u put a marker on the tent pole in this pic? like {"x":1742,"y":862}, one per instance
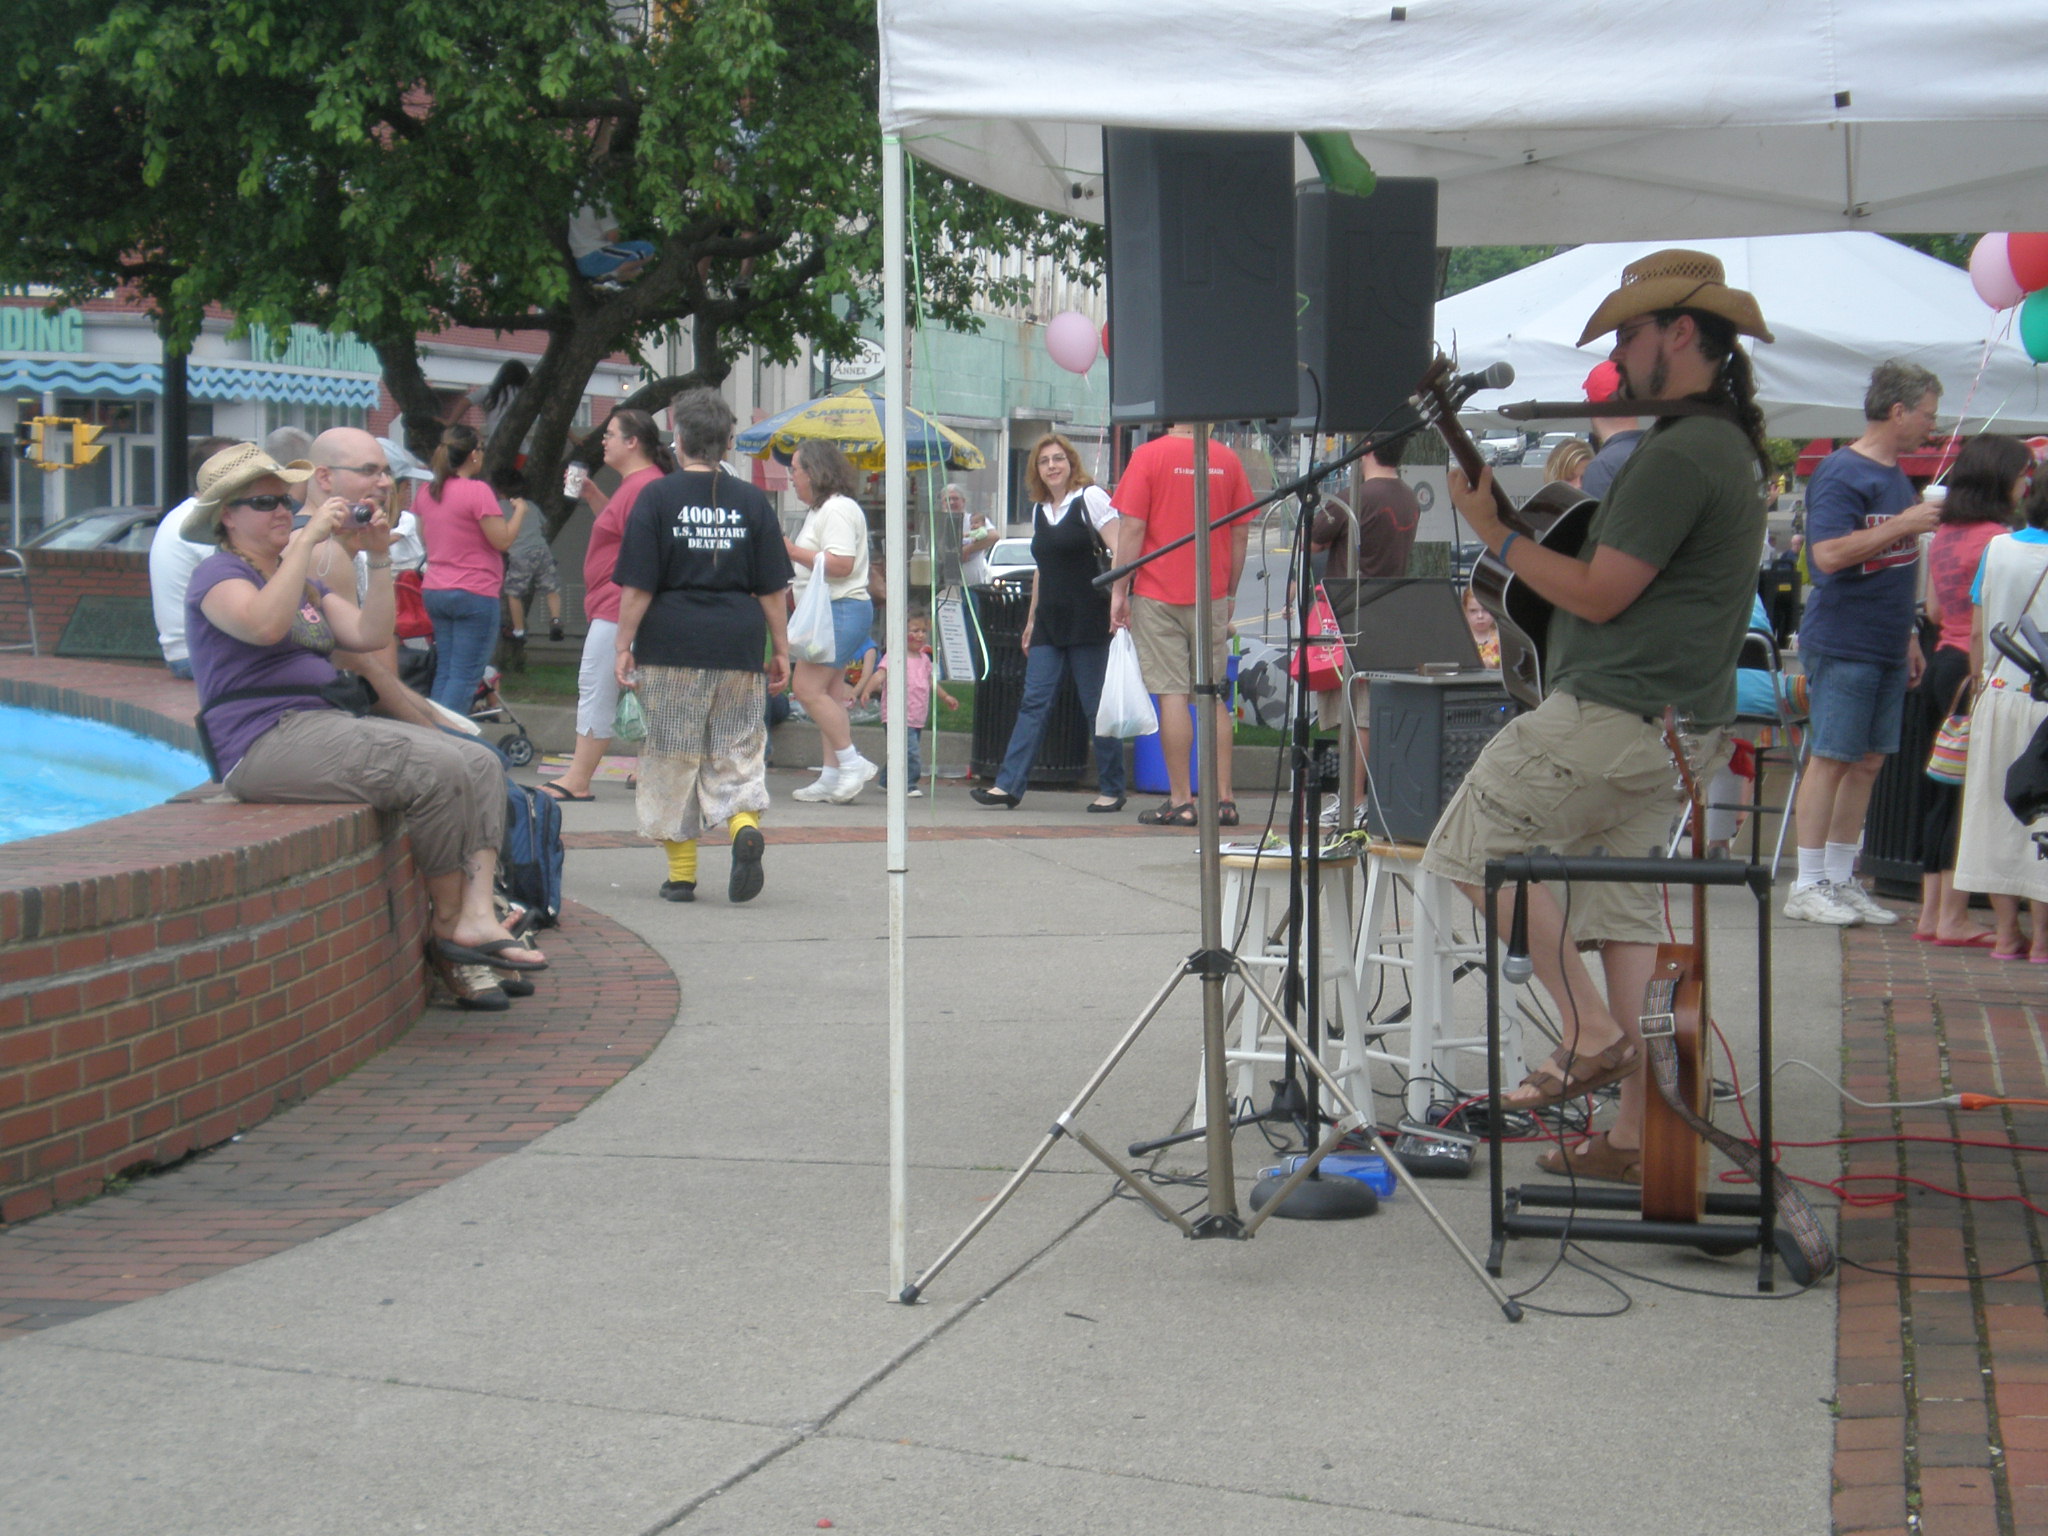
{"x":895,"y":545}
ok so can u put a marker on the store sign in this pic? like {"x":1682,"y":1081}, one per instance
{"x":26,"y":329}
{"x":867,"y":362}
{"x":307,"y":347}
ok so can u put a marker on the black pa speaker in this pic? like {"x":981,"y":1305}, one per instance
{"x":1201,"y":275}
{"x":1368,"y":280}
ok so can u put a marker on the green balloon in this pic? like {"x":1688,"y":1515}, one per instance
{"x":2034,"y":325}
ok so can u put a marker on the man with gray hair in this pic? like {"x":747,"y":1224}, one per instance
{"x":702,"y":574}
{"x":1857,"y":643}
{"x":172,"y":560}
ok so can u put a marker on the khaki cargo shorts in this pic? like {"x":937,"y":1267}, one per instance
{"x":1165,"y":636}
{"x":1573,"y":778}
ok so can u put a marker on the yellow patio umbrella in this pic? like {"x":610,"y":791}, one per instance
{"x":851,"y":421}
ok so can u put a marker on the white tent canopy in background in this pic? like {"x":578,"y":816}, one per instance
{"x":1837,"y":302}
{"x":1568,"y":121}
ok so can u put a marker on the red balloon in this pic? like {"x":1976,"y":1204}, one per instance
{"x":2029,"y":256}
{"x":1105,"y":338}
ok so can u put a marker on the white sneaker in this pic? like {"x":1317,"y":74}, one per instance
{"x":849,"y":786}
{"x":913,"y":793}
{"x":1850,"y":893}
{"x":863,"y":767}
{"x":1818,"y":903}
{"x":826,"y":787}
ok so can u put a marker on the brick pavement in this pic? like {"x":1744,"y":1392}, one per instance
{"x":456,"y":1091}
{"x":1942,"y":1377}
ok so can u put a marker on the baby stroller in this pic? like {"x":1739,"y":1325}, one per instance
{"x":487,"y":708}
{"x":416,"y":671}
{"x":2026,"y":781}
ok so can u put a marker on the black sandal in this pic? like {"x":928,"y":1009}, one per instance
{"x":1169,"y":815}
{"x":1226,"y":813}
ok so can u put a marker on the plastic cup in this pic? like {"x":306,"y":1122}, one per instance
{"x":1935,"y":495}
{"x":573,"y":481}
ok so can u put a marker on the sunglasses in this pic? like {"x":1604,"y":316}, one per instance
{"x":265,"y":503}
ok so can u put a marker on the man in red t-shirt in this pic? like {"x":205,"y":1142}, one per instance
{"x":1155,"y":503}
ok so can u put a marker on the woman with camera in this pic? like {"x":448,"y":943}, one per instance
{"x":279,"y":722}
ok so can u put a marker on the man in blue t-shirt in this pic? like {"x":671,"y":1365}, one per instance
{"x":1863,"y":527}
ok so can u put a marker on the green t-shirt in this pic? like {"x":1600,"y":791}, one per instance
{"x":1687,"y":501}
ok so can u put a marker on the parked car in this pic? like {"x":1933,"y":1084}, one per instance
{"x":1498,"y":449}
{"x":1010,"y":560}
{"x":129,"y":528}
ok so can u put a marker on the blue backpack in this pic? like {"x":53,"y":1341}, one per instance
{"x":530,"y":863}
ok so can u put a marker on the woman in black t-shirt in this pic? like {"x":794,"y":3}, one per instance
{"x":1067,"y":628}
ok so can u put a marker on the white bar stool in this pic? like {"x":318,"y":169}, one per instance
{"x":1429,"y":953}
{"x":1255,"y":905}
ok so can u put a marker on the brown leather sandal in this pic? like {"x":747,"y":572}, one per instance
{"x":1596,"y":1158}
{"x":1576,"y":1074}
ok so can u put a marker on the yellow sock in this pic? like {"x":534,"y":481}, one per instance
{"x":682,"y":860}
{"x":739,"y":819}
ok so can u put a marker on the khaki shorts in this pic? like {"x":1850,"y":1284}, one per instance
{"x":1165,"y":636}
{"x":1573,"y":778}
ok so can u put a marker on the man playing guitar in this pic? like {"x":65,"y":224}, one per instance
{"x":1650,"y":613}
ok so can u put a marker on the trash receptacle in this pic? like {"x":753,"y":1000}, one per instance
{"x":1063,"y":752}
{"x":1148,"y":758}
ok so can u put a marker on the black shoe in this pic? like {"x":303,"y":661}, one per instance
{"x":745,"y":882}
{"x":554,"y":631}
{"x":514,"y":986}
{"x":982,"y":796}
{"x":1106,"y":810}
{"x":678,"y":890}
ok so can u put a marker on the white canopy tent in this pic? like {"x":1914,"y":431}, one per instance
{"x":1659,"y":120}
{"x":1837,"y":302}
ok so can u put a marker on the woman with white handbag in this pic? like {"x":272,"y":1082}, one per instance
{"x":832,"y":547}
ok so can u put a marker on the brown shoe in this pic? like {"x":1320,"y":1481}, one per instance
{"x":1596,"y":1158}
{"x":1565,"y":1074}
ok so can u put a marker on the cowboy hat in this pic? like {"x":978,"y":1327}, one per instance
{"x":224,"y":477}
{"x":1677,"y":279}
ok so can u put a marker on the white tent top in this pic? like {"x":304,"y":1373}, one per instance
{"x":1838,"y":304}
{"x":1561,"y":122}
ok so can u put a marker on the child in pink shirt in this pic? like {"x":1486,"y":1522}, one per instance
{"x":918,"y":687}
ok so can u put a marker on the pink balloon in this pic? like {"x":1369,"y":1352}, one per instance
{"x":1991,"y":273}
{"x":1070,"y":338}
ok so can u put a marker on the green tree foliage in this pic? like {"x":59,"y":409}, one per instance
{"x":403,"y":166}
{"x":1459,"y":267}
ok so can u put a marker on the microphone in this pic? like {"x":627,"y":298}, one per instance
{"x":1493,"y":376}
{"x":1516,"y":967}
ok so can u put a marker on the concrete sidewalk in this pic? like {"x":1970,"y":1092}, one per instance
{"x":673,"y":1313}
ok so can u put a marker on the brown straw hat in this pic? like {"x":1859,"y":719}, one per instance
{"x":225,"y":476}
{"x":1677,"y":279}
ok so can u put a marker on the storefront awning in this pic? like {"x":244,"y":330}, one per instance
{"x":81,"y":376}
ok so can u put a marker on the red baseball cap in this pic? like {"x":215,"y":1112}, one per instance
{"x":1604,"y":382}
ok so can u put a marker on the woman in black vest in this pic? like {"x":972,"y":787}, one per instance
{"x":1067,"y":628}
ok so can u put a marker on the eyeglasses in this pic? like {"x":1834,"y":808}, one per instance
{"x":1624,"y":334}
{"x":368,"y":471}
{"x":265,"y":503}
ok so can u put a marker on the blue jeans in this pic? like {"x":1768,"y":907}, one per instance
{"x":465,"y":629}
{"x":914,"y":751}
{"x":1044,"y":667}
{"x":852,"y":619}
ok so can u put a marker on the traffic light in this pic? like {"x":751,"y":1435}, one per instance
{"x":24,"y":439}
{"x":85,"y":446}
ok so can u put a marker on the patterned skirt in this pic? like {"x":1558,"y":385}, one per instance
{"x":705,"y":753}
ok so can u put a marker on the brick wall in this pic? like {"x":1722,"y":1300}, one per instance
{"x":170,"y":978}
{"x":60,"y":577}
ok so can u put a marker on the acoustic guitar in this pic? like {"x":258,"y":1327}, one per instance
{"x":1674,"y":1156}
{"x":1555,"y":517}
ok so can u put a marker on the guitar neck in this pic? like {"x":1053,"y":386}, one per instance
{"x":1440,"y":411}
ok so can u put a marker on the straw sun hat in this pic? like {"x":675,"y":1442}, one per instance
{"x":1677,"y":279}
{"x":225,"y":476}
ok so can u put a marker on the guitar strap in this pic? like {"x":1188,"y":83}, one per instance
{"x":1793,"y":1213}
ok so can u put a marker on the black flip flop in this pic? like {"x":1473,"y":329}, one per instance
{"x":556,"y":793}
{"x":491,"y":953}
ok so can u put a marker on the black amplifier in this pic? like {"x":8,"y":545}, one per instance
{"x":1426,"y":733}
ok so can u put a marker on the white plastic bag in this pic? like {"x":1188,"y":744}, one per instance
{"x":1126,"y":708}
{"x":811,"y":637}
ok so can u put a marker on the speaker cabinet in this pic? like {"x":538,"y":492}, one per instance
{"x":1201,"y":275}
{"x":1367,"y":270}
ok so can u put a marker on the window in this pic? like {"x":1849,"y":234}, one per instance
{"x":308,"y":418}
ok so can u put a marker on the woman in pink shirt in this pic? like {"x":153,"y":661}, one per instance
{"x":466,"y":535}
{"x":633,"y":449}
{"x":1984,"y":490}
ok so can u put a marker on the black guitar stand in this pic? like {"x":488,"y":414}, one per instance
{"x":1750,"y":1216}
